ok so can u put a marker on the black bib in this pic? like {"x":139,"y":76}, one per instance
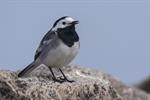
{"x":68,"y":35}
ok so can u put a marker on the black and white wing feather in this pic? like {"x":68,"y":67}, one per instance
{"x":44,"y":43}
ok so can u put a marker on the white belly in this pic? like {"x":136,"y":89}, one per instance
{"x":61,"y":56}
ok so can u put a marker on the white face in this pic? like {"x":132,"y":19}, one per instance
{"x":63,"y":23}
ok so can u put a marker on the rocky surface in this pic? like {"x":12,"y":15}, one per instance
{"x":144,"y":85}
{"x":89,"y":85}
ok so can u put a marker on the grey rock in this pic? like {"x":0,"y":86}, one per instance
{"x":89,"y":84}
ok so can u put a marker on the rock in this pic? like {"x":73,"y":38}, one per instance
{"x":144,"y":85}
{"x":128,"y":93}
{"x":89,"y":85}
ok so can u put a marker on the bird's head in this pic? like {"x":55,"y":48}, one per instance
{"x":64,"y":22}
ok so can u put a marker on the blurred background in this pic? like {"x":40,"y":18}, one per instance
{"x":114,"y":34}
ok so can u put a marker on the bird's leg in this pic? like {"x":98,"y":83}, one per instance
{"x":54,"y":78}
{"x":65,"y":78}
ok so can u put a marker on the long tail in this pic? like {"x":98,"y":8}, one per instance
{"x":27,"y":70}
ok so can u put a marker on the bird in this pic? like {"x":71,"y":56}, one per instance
{"x":58,"y":48}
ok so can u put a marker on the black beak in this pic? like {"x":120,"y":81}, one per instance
{"x":75,"y":22}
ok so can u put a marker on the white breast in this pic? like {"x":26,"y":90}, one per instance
{"x":62,"y":55}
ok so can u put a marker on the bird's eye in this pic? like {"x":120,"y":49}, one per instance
{"x":64,"y":23}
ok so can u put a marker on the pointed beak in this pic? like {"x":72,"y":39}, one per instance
{"x":75,"y":22}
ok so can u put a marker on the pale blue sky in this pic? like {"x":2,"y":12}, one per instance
{"x":114,"y":34}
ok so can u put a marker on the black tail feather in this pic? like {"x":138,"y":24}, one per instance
{"x":27,"y":70}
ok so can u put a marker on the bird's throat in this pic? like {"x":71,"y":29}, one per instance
{"x":68,"y":35}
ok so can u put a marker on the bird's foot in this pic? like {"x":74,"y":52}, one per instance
{"x":66,"y":80}
{"x":58,"y":80}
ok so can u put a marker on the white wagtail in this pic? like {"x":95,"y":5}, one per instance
{"x":57,"y":48}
